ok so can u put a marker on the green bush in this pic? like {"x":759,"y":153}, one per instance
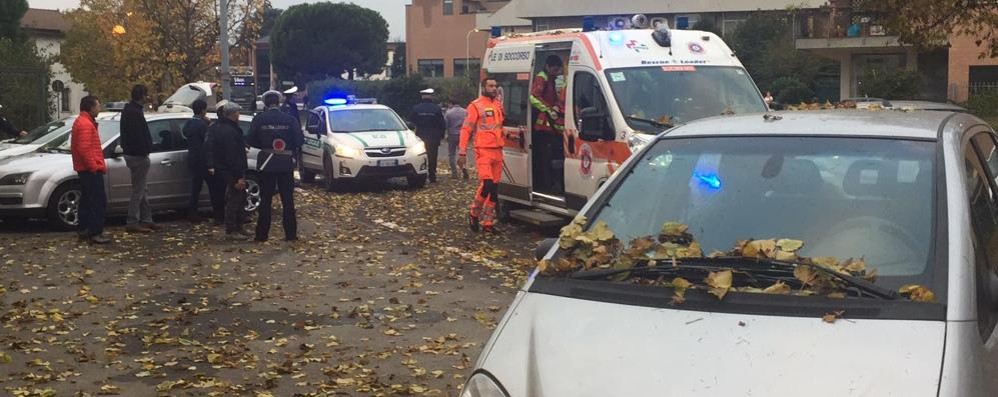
{"x":790,"y":90}
{"x":890,"y":84}
{"x":400,"y":94}
{"x":983,"y":105}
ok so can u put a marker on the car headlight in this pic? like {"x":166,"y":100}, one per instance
{"x":15,"y":179}
{"x":482,"y":385}
{"x":638,"y":140}
{"x":419,"y":148}
{"x":346,"y":151}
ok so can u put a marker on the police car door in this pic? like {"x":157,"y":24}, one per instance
{"x":315,"y":131}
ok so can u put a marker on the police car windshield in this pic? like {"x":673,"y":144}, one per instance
{"x":362,"y":120}
{"x":676,"y":94}
{"x":55,"y":128}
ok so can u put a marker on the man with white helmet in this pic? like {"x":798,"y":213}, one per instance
{"x":290,"y":103}
{"x":225,"y":156}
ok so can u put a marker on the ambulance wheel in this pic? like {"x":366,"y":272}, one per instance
{"x":416,"y":181}
{"x":328,"y":174}
{"x":307,"y":175}
{"x":503,"y":209}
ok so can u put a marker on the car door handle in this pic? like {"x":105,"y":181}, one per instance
{"x":166,"y":163}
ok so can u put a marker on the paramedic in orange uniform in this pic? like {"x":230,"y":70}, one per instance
{"x":484,"y":120}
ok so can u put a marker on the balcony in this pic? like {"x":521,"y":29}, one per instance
{"x":840,"y":27}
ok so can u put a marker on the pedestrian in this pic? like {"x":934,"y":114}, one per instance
{"x":548,"y":127}
{"x":485,"y":119}
{"x":225,"y":156}
{"x":7,"y":128}
{"x":136,"y":143}
{"x":430,"y":127}
{"x":195,"y":130}
{"x":290,"y":103}
{"x":454,"y":117}
{"x":88,"y":162}
{"x":279,"y":138}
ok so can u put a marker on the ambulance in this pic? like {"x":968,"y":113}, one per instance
{"x":619,"y":89}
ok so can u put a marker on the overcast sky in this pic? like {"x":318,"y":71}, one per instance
{"x":392,"y":10}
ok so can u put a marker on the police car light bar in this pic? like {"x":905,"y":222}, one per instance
{"x":335,"y":101}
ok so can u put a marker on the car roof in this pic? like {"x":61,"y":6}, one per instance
{"x":846,"y":123}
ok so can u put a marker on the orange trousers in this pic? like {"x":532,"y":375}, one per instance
{"x":489,"y":165}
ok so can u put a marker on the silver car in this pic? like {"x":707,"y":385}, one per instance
{"x":713,"y":263}
{"x":43,"y":184}
{"x":51,"y":134}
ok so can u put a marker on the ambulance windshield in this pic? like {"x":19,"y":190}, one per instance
{"x":652,"y":96}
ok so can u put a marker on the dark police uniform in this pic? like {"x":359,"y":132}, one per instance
{"x":430,"y":127}
{"x":279,"y":138}
{"x":290,"y":107}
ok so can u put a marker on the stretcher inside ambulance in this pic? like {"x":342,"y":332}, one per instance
{"x":578,"y":104}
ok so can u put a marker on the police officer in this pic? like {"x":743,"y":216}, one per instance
{"x":430,"y":127}
{"x":290,"y":105}
{"x":279,"y":137}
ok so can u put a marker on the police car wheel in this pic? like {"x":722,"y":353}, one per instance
{"x":416,"y":181}
{"x":328,"y":173}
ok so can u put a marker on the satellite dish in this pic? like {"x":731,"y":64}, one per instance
{"x":639,"y":21}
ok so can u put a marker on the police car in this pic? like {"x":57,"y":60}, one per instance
{"x":350,"y":139}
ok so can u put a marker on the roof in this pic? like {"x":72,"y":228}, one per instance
{"x":45,"y":20}
{"x":882,"y":123}
{"x":536,"y":9}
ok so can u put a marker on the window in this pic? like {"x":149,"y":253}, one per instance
{"x":448,"y":7}
{"x":984,"y":219}
{"x":586,"y":94}
{"x":516,"y":93}
{"x":467,"y":67}
{"x":542,"y":25}
{"x":431,"y":67}
{"x":163,"y":133}
{"x":64,"y":100}
{"x":685,"y":22}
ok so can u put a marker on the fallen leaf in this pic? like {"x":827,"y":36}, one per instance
{"x":788,"y":245}
{"x":917,"y":293}
{"x":720,"y":283}
{"x":780,"y":288}
{"x":831,"y":317}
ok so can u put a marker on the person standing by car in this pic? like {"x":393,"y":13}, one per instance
{"x":485,"y":118}
{"x":290,"y":103}
{"x":225,"y":156}
{"x":136,"y":142}
{"x":7,"y":128}
{"x":430,"y":127}
{"x":455,"y":119}
{"x":279,"y":138}
{"x":194,"y":131}
{"x":88,"y":162}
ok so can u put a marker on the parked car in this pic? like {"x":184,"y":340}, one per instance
{"x":714,"y":263}
{"x":44,"y":185}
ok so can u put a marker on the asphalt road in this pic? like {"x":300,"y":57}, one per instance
{"x":386,"y":293}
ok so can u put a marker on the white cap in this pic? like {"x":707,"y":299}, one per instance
{"x":291,"y":90}
{"x":428,"y":91}
{"x":220,"y":105}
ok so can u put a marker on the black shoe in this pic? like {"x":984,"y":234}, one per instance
{"x":291,"y":238}
{"x":99,"y":239}
{"x":195,"y":217}
{"x":473,"y":223}
{"x":83,"y":236}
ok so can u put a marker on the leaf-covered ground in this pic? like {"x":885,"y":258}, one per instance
{"x":387,"y":293}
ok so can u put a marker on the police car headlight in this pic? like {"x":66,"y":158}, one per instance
{"x":419,"y":148}
{"x":347,"y":152}
{"x":15,"y":179}
{"x":482,"y":385}
{"x":638,"y":140}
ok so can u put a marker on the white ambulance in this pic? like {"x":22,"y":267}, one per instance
{"x":619,"y":89}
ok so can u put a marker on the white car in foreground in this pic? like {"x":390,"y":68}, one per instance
{"x":346,"y":141}
{"x":831,"y":253}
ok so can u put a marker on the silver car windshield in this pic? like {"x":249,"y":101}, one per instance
{"x":842,"y":197}
{"x":108,"y":130}
{"x":360,"y":120}
{"x":54,"y":128}
{"x":679,"y":94}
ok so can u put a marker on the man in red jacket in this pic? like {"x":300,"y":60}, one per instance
{"x":88,"y":162}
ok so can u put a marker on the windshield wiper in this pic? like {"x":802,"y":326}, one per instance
{"x":744,"y":264}
{"x":654,"y":123}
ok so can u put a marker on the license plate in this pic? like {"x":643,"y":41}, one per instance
{"x":388,"y":163}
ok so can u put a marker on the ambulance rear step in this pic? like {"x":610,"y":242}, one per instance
{"x":537,"y":218}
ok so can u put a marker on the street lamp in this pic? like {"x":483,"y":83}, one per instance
{"x":467,"y":51}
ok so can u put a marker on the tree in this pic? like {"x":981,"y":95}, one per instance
{"x":11,"y":12}
{"x":706,"y":24}
{"x":270,"y":15}
{"x":926,"y":24}
{"x":314,"y":41}
{"x":399,"y":68}
{"x":24,"y":78}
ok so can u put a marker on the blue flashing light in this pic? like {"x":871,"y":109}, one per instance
{"x":711,"y":180}
{"x":588,"y":24}
{"x":616,"y":38}
{"x":335,"y":101}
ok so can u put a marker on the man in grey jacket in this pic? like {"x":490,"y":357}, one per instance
{"x":454,"y":117}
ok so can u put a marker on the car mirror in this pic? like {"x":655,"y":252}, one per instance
{"x":592,"y":123}
{"x":543,"y":248}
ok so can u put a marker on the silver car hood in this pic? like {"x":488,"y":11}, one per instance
{"x":557,"y":347}
{"x":37,"y":162}
{"x":8,"y":150}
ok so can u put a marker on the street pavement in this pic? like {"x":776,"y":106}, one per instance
{"x":386,"y":293}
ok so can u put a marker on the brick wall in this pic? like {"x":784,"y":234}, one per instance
{"x":963,"y":54}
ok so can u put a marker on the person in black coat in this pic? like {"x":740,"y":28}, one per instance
{"x":136,"y":142}
{"x":225,"y":156}
{"x":8,"y":128}
{"x":279,"y":138}
{"x":430,"y":127}
{"x":196,"y":130}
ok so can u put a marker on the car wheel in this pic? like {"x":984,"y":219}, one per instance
{"x":328,"y":173}
{"x":252,"y":193}
{"x":416,"y":181}
{"x":64,"y":206}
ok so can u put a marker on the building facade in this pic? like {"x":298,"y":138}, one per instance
{"x":441,"y":36}
{"x":47,"y":28}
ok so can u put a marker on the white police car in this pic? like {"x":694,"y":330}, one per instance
{"x":351,"y":139}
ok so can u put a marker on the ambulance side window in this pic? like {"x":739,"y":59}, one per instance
{"x":588,"y":96}
{"x":516,"y":93}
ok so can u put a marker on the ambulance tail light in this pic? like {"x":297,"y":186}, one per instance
{"x":662,"y":36}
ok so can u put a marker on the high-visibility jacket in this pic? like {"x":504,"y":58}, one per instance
{"x":485,"y":119}
{"x":544,"y":96}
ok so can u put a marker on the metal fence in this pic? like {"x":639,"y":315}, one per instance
{"x":983,"y":88}
{"x":24,"y":96}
